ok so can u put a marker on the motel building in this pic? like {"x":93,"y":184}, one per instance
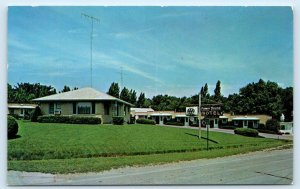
{"x":165,"y":117}
{"x":20,"y":110}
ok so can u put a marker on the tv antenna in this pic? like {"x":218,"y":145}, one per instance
{"x":92,"y":19}
{"x":121,"y":74}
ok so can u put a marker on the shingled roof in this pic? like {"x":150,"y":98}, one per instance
{"x":84,"y":94}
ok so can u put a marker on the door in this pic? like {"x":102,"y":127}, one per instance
{"x":161,"y":120}
{"x":211,"y":123}
{"x":157,"y":120}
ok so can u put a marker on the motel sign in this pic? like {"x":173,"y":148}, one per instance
{"x":211,"y":110}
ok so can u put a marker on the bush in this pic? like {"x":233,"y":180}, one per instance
{"x":246,"y":132}
{"x":16,"y":116}
{"x":118,"y":120}
{"x":35,"y":114}
{"x":273,"y":125}
{"x":145,"y":121}
{"x":266,"y":131}
{"x":175,"y":123}
{"x":262,"y":126}
{"x":228,"y":127}
{"x":12,"y":126}
{"x":69,"y":119}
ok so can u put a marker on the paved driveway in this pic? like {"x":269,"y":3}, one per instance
{"x":230,"y":131}
{"x":264,"y":167}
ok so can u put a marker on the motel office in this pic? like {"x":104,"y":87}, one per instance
{"x":85,"y":102}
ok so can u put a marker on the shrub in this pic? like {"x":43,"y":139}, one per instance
{"x":261,"y":126}
{"x":145,"y":121}
{"x":69,"y":119}
{"x":35,"y":114}
{"x":273,"y":125}
{"x":246,"y":132}
{"x":228,"y":127}
{"x":266,"y":131}
{"x":175,"y":123}
{"x":118,"y":120}
{"x":12,"y":126}
{"x":16,"y":116}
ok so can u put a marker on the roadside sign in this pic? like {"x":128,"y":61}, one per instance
{"x":211,"y":110}
{"x":191,"y":111}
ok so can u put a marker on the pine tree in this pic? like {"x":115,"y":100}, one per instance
{"x":114,"y":90}
{"x":124,"y":95}
{"x":141,"y":101}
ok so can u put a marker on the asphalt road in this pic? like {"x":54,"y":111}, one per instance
{"x":264,"y":167}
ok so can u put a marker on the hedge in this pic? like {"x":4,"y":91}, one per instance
{"x":174,"y":123}
{"x":246,"y":132}
{"x":69,"y":119}
{"x":12,"y":127}
{"x":118,"y":120}
{"x":228,"y":127}
{"x":145,"y":121}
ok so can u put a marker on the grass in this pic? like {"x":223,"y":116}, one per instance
{"x":65,"y":148}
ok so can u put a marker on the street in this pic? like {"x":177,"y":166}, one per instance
{"x":263,"y":167}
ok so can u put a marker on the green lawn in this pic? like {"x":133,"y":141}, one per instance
{"x":67,"y":148}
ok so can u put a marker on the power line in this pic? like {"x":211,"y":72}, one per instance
{"x":93,"y":19}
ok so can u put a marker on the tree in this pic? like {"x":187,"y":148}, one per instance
{"x":217,"y":91}
{"x":125,"y":95}
{"x":205,"y":90}
{"x":132,"y":94}
{"x":287,"y":100}
{"x":65,"y":89}
{"x":35,"y":114}
{"x":114,"y":90}
{"x":25,"y":92}
{"x":141,"y":101}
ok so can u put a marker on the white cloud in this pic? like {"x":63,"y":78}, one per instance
{"x":111,"y":62}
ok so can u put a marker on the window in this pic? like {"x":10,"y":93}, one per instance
{"x":125,"y":109}
{"x":22,"y":111}
{"x":216,"y":121}
{"x":84,"y":108}
{"x":246,"y":123}
{"x":57,"y":106}
{"x":51,"y":108}
{"x":224,"y":121}
{"x":106,"y":108}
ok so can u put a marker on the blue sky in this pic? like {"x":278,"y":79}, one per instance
{"x":162,"y":50}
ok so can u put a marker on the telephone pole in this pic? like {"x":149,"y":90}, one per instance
{"x":92,"y":19}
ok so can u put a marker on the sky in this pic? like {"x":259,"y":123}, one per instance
{"x":160,"y":50}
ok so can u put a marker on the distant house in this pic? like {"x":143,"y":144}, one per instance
{"x":85,"y":101}
{"x":20,"y":109}
{"x":140,"y":113}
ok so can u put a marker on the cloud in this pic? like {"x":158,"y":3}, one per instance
{"x":14,"y":43}
{"x":113,"y":63}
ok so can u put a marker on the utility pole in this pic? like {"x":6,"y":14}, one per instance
{"x":92,"y":19}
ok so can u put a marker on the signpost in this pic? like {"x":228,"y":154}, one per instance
{"x":210,"y":111}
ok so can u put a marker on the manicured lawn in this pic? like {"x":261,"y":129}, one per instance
{"x":67,"y":148}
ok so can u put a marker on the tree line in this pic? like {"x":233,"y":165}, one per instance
{"x":255,"y":98}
